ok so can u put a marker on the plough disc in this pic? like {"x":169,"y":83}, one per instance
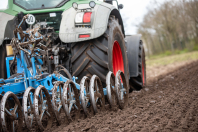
{"x":43,"y":108}
{"x":85,"y":96}
{"x":28,"y":106}
{"x":121,"y":88}
{"x":70,"y":100}
{"x":96,"y":94}
{"x":62,"y":70}
{"x":111,"y":92}
{"x":56,"y":100}
{"x":11,"y":113}
{"x":0,"y":113}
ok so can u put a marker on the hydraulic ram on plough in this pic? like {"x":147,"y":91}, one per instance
{"x":43,"y":95}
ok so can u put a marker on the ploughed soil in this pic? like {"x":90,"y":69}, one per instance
{"x":169,"y":102}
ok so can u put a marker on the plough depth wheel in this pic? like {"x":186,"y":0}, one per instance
{"x":85,"y":96}
{"x":11,"y":114}
{"x":56,"y":100}
{"x":96,"y":93}
{"x":111,"y":90}
{"x":43,"y":108}
{"x":70,"y":100}
{"x":122,"y":91}
{"x":28,"y":107}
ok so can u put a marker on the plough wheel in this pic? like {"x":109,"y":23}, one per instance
{"x":122,"y":91}
{"x":62,"y":70}
{"x":56,"y":100}
{"x":28,"y":107}
{"x":85,"y":96}
{"x":111,"y":92}
{"x":70,"y":100}
{"x":0,"y":114}
{"x":96,"y":94}
{"x":11,"y":114}
{"x":43,"y":108}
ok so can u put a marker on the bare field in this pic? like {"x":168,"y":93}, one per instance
{"x":167,"y":103}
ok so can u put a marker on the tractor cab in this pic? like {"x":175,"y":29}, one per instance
{"x":39,"y":4}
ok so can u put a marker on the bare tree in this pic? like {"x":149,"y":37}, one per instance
{"x":170,"y":26}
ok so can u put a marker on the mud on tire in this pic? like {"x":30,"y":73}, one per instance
{"x":95,"y":56}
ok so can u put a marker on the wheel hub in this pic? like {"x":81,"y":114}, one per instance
{"x":118,"y":63}
{"x":143,"y":78}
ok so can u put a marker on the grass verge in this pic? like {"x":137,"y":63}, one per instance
{"x":165,"y":60}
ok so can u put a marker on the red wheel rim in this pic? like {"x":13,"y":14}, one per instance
{"x":143,"y":79}
{"x":118,"y":63}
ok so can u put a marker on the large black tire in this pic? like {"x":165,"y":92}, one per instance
{"x":3,"y":73}
{"x":96,"y":57}
{"x":139,"y":82}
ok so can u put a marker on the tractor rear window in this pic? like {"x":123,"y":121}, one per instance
{"x":39,"y":4}
{"x":52,"y":19}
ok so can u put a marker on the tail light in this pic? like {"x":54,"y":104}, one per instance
{"x":87,"y":17}
{"x":84,"y":35}
{"x":79,"y":17}
{"x":83,"y":17}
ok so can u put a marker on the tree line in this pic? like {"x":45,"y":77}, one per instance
{"x":170,"y":26}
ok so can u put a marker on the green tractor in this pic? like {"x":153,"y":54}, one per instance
{"x":86,"y":37}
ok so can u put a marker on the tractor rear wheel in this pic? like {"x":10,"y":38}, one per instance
{"x":3,"y":73}
{"x":101,"y":55}
{"x":140,"y":81}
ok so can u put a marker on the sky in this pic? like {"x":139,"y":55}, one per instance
{"x":3,"y":4}
{"x":132,"y":13}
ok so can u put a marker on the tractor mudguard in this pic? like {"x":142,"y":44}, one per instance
{"x":69,"y":33}
{"x":132,"y":44}
{"x":7,"y":26}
